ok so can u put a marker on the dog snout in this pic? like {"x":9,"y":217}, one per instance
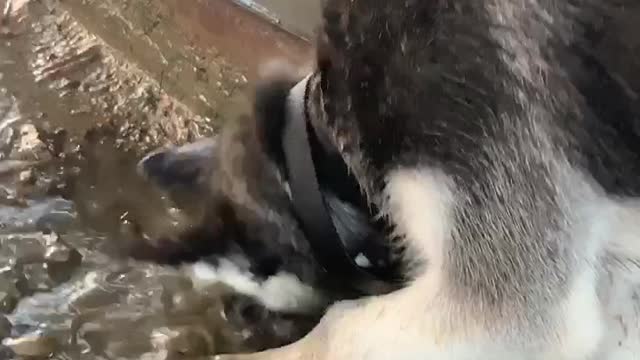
{"x":153,"y":165}
{"x":168,"y":171}
{"x":187,"y":166}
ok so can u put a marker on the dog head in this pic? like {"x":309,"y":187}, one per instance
{"x":243,"y":228}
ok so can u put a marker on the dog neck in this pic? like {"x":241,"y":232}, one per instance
{"x":309,"y":161}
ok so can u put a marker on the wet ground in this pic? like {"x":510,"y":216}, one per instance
{"x":75,"y":115}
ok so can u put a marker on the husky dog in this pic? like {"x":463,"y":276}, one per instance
{"x":499,"y":143}
{"x":500,"y":140}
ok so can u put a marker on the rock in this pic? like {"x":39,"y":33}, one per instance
{"x":61,"y":271}
{"x":9,"y":198}
{"x":5,"y":327}
{"x":27,"y":248}
{"x":6,"y":352}
{"x":27,"y":177}
{"x":94,"y":298}
{"x":62,"y":260}
{"x":6,"y":137}
{"x":13,"y":166}
{"x":60,"y":221}
{"x":29,"y":139}
{"x":29,"y":146}
{"x":34,"y":278}
{"x":57,"y":253}
{"x":33,"y":345}
{"x":58,"y":217}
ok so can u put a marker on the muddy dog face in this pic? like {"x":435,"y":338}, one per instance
{"x":243,"y":230}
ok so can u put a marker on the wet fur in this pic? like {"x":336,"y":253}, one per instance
{"x":242,"y":229}
{"x":501,"y":140}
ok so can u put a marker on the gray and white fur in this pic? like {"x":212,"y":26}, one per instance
{"x":501,"y":141}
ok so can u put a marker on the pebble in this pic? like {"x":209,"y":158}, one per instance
{"x":186,"y":341}
{"x":6,"y":352}
{"x":5,"y":327}
{"x":34,"y":278}
{"x":27,"y":177}
{"x":61,"y":259}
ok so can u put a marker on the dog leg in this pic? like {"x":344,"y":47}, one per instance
{"x":426,"y":320}
{"x":356,"y":330}
{"x":412,"y":323}
{"x":401,"y":325}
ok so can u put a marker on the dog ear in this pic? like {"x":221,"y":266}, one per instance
{"x":332,"y":34}
{"x":187,"y":167}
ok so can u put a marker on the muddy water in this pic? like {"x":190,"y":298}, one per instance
{"x":74,"y":116}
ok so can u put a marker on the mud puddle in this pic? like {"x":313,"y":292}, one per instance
{"x":75,"y":115}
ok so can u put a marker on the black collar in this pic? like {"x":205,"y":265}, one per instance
{"x":309,"y":205}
